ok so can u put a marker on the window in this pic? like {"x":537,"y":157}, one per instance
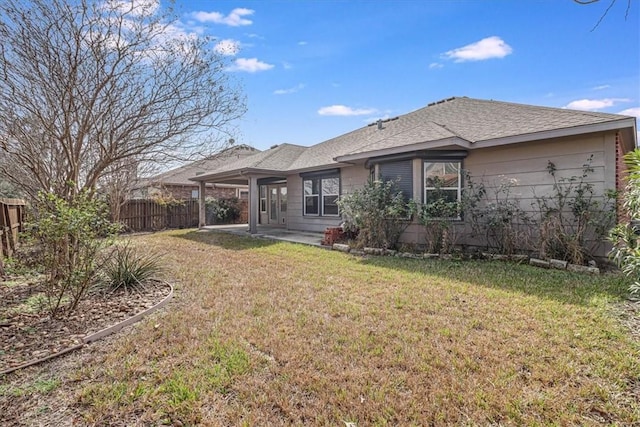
{"x":283,"y":199}
{"x":401,"y":173}
{"x":321,"y":195}
{"x":330,"y":193}
{"x":263,"y":198}
{"x":195,"y":194}
{"x":311,"y":196}
{"x":442,"y":181}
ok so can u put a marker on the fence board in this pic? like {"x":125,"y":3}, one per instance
{"x":148,"y":215}
{"x":11,"y":223}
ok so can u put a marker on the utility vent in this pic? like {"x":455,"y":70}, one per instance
{"x":380,"y":122}
{"x":273,"y":146}
{"x":199,"y":173}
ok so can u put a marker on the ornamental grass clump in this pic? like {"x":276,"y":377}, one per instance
{"x":129,"y":269}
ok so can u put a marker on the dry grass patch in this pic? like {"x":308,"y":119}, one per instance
{"x":275,"y":333}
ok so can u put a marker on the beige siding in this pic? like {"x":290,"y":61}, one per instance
{"x":351,"y":177}
{"x":525,"y":165}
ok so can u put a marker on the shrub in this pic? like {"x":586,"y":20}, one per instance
{"x":126,"y":268}
{"x":71,"y":234}
{"x":222,"y":211}
{"x":378,"y":213}
{"x":572,"y":219}
{"x":436,"y":217}
{"x":626,"y":235}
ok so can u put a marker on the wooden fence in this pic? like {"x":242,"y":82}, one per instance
{"x":11,"y":223}
{"x":148,"y":215}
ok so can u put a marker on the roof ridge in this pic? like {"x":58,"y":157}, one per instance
{"x":545,"y":108}
{"x":271,"y":152}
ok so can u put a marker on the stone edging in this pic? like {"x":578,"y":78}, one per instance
{"x":552,"y":263}
{"x":97,"y":335}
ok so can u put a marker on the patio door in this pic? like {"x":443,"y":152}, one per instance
{"x":277,"y":204}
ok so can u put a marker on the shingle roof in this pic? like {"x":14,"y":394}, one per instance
{"x":456,"y":119}
{"x":181,"y":175}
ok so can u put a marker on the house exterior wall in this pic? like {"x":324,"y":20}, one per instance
{"x":524,"y":167}
{"x":351,"y":177}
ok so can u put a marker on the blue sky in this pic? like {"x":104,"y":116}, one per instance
{"x":312,"y":70}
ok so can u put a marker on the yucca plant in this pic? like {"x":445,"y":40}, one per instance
{"x":128,"y":269}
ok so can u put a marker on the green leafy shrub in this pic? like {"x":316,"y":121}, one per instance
{"x":127,"y":268}
{"x":437,"y":218}
{"x":222,"y":211}
{"x":71,"y":234}
{"x":572,"y":219}
{"x":378,"y":213}
{"x":626,"y":235}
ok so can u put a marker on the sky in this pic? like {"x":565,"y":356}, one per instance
{"x":313,"y":70}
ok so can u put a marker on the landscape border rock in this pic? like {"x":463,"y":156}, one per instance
{"x":96,"y":335}
{"x":519,"y":258}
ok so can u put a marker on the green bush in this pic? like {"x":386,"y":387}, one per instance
{"x":626,"y":235}
{"x":126,"y":268}
{"x":437,"y":218}
{"x":572,"y":219}
{"x":71,"y":234}
{"x":378,"y":213}
{"x":222,"y":211}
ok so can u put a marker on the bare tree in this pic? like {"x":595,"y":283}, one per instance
{"x":90,"y":89}
{"x":612,"y":2}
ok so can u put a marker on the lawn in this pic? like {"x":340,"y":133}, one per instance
{"x":264,"y":333}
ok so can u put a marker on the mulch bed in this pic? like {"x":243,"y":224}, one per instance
{"x":28,"y":332}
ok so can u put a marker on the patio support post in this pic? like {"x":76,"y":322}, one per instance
{"x":253,"y":204}
{"x":202,"y":211}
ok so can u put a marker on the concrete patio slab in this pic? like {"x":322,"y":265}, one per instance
{"x":272,"y":233}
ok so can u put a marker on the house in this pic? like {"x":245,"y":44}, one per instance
{"x":176,"y":183}
{"x":297,"y":187}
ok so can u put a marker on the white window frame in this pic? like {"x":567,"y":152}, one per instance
{"x":458,"y":188}
{"x":323,"y":195}
{"x":263,"y":198}
{"x":320,"y":195}
{"x":316,"y":195}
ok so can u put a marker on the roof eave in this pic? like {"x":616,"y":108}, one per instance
{"x":244,"y":172}
{"x":441,"y":143}
{"x":558,"y":133}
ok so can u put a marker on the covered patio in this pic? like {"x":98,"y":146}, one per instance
{"x":267,"y":232}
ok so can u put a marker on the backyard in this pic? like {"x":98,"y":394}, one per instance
{"x":273,"y":333}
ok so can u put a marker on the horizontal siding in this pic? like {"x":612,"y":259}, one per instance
{"x":526,"y":165}
{"x":295,"y":218}
{"x":353,"y":177}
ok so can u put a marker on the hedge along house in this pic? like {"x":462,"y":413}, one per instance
{"x":297,"y":187}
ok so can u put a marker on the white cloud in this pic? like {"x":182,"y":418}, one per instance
{"x":302,"y":43}
{"x":487,"y":48}
{"x":294,"y":89}
{"x":343,"y":110}
{"x":249,"y":65}
{"x":601,"y":87}
{"x":227,"y":47}
{"x":435,"y":65}
{"x":287,"y":66}
{"x":635,"y":112}
{"x":233,"y":19}
{"x":594,"y":104}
